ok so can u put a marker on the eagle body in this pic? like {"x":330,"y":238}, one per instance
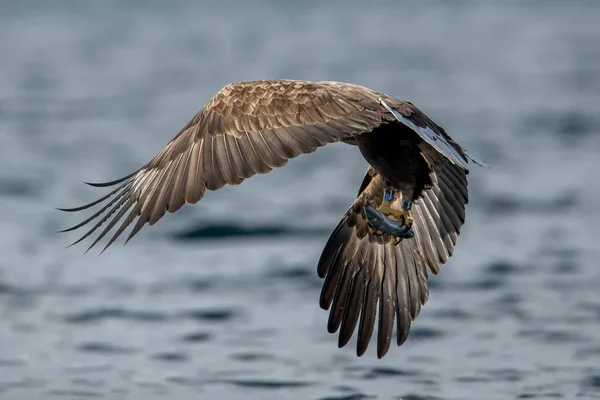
{"x":394,"y":152}
{"x":249,"y":128}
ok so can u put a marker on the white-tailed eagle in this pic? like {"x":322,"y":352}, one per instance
{"x":406,"y":218}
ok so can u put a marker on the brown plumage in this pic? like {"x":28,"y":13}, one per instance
{"x":250,"y":128}
{"x":360,"y":268}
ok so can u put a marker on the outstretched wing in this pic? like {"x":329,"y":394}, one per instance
{"x":364,"y":272}
{"x":247,"y":128}
{"x":410,"y":116}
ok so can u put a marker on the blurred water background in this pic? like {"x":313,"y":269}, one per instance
{"x":221,"y":299}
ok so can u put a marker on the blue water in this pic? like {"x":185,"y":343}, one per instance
{"x":220,"y":300}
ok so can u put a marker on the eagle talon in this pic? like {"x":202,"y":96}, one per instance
{"x":401,"y":215}
{"x":379,"y":222}
{"x":375,"y":232}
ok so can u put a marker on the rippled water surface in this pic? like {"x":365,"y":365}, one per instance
{"x":220,"y":300}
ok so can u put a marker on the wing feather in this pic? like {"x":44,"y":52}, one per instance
{"x":372,"y":282}
{"x":433,"y":227}
{"x":444,"y":229}
{"x":237,"y":158}
{"x":163,"y":192}
{"x":354,"y":302}
{"x":247,"y":128}
{"x":424,"y":239}
{"x":428,"y":132}
{"x":194,"y":186}
{"x":387,"y":303}
{"x":116,"y":209}
{"x":250,"y":128}
{"x":402,"y":296}
{"x":365,"y":273}
{"x":404,"y":252}
{"x":452,"y":197}
{"x":224,"y":161}
{"x":177,"y":197}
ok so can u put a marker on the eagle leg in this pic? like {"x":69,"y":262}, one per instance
{"x":380,"y":222}
{"x":401,"y":215}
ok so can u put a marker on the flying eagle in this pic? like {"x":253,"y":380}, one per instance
{"x":406,"y":218}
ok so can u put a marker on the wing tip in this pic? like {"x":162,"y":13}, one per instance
{"x":382,"y":352}
{"x":111,"y":183}
{"x":461,"y":161}
{"x":477,"y":161}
